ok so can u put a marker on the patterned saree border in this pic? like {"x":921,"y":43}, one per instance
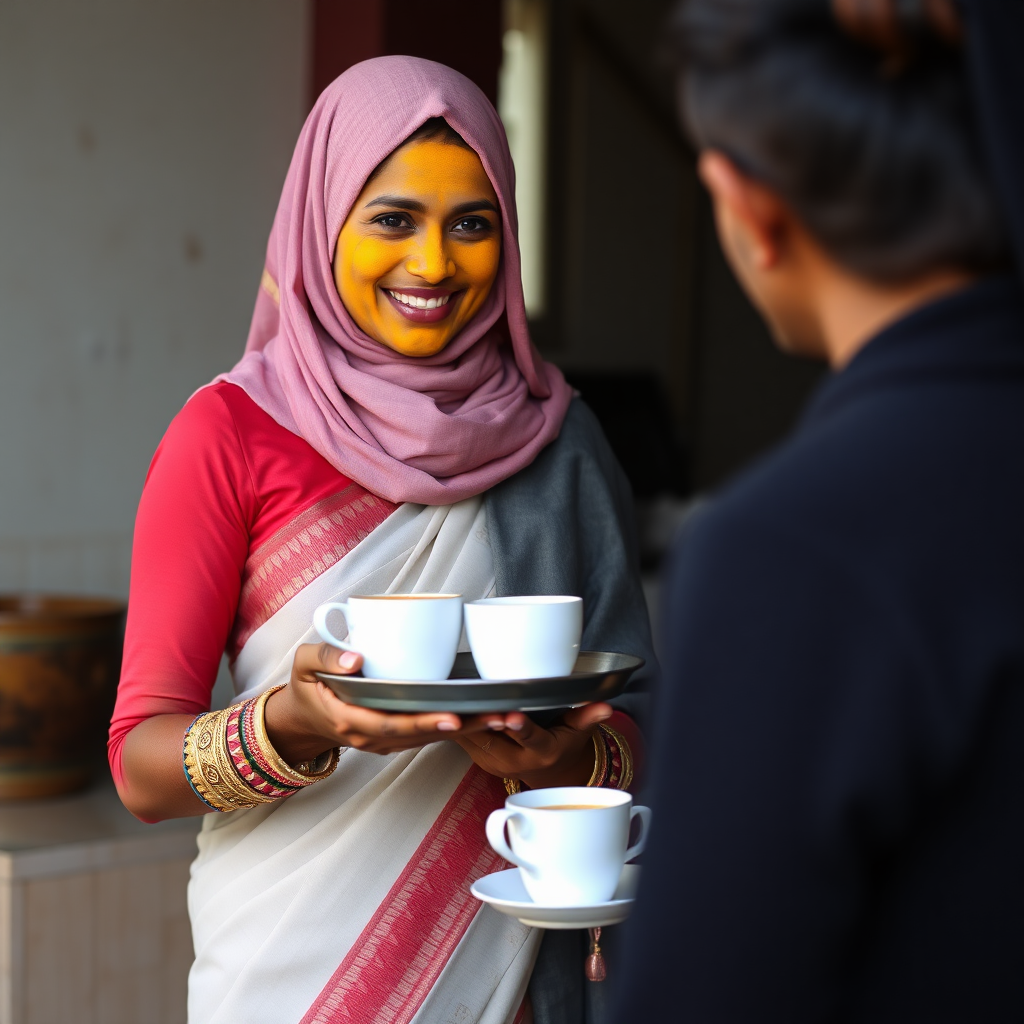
{"x":401,"y":952}
{"x":301,"y":551}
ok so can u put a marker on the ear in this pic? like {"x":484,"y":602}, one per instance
{"x":746,"y":203}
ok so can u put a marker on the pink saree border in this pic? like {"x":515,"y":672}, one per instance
{"x":401,"y":952}
{"x":301,"y":551}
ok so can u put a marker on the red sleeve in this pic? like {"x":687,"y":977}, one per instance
{"x":191,"y":541}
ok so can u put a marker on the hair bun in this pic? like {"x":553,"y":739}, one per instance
{"x":894,"y":27}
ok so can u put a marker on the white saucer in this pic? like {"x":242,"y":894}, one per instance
{"x":504,"y":891}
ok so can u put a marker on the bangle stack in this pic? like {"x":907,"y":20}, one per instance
{"x":613,"y":762}
{"x":230,"y":762}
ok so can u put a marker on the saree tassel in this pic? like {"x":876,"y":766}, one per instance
{"x":594,"y":967}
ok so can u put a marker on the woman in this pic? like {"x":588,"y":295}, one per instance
{"x":390,"y":429}
{"x":840,"y":829}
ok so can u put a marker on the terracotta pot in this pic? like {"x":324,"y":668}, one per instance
{"x":59,"y":663}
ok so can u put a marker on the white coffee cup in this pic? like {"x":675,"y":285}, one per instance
{"x":524,"y":637}
{"x":569,"y":843}
{"x":400,"y":636}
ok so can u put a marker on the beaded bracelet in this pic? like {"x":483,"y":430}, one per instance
{"x":230,"y":762}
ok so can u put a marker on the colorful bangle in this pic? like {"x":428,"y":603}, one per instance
{"x":620,"y":758}
{"x":230,"y":762}
{"x":247,"y":757}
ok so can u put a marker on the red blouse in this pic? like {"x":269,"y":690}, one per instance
{"x":224,"y":480}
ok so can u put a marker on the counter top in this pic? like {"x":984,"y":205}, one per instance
{"x":89,"y":830}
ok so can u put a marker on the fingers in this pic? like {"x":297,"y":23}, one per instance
{"x":526,"y":733}
{"x":384,"y":725}
{"x":312,"y":658}
{"x":492,"y":741}
{"x":587,"y":716}
{"x":381,"y":731}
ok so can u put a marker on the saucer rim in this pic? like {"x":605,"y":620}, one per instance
{"x":529,"y":905}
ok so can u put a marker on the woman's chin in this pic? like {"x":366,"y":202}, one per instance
{"x":418,"y":344}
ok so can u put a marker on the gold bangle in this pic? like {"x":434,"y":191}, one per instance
{"x":512,"y":786}
{"x":209,"y":767}
{"x":625,"y":755}
{"x":299,"y":775}
{"x":600,"y":761}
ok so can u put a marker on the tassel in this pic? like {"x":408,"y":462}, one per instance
{"x":594,"y":967}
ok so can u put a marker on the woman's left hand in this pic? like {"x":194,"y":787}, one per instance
{"x":518,"y":748}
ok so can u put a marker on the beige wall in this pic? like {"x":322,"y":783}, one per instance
{"x":142,"y":151}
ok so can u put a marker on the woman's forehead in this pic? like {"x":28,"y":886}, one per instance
{"x":432,"y":169}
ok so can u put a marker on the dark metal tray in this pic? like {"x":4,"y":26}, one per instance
{"x":598,"y":675}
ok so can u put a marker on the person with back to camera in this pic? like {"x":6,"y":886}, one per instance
{"x":390,"y":429}
{"x":838,"y":790}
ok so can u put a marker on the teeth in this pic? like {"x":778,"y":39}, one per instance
{"x":420,"y":303}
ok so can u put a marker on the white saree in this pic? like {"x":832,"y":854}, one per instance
{"x":349,"y":902}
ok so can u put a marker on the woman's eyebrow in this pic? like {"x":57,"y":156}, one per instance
{"x":475,"y":204}
{"x":415,"y":206}
{"x":398,"y":203}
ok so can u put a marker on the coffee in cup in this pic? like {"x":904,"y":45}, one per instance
{"x":569,"y":843}
{"x":400,"y":636}
{"x":524,"y":637}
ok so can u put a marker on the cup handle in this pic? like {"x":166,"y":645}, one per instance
{"x":638,"y":847}
{"x":496,"y":821}
{"x":320,"y":623}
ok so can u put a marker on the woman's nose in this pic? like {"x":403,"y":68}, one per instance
{"x":430,"y":260}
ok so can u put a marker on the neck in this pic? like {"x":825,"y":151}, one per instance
{"x":852,"y":310}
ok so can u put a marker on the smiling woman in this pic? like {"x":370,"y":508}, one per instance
{"x":390,"y":430}
{"x":419,"y":253}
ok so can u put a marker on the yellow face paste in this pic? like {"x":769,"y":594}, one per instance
{"x":419,"y":252}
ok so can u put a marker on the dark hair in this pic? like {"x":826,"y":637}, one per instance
{"x":434,"y":128}
{"x":857,"y":114}
{"x":437,"y":128}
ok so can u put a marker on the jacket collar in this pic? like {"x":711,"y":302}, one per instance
{"x":975,"y":333}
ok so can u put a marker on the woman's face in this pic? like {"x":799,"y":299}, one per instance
{"x":419,"y":252}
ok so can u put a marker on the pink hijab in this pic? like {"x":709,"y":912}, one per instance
{"x":430,"y":430}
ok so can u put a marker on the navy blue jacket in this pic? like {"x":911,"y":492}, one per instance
{"x":839,"y":786}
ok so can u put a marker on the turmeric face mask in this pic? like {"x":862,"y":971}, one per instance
{"x":420,"y":249}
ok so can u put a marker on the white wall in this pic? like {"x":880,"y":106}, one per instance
{"x":142,"y":150}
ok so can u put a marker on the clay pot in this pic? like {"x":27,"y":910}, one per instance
{"x":59,"y":663}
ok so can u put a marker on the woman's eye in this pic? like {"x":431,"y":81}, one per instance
{"x":391,"y":221}
{"x":471,"y":226}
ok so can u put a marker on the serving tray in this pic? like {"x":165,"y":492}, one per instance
{"x":598,"y":675}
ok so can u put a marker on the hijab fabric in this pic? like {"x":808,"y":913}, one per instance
{"x":432,"y":430}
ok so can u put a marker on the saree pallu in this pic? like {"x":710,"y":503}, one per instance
{"x":349,"y":902}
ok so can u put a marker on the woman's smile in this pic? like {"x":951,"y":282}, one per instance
{"x":420,"y":249}
{"x":423,"y":305}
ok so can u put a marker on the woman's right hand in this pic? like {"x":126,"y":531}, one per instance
{"x":305,"y":718}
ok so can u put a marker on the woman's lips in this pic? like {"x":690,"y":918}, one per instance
{"x":422,"y":305}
